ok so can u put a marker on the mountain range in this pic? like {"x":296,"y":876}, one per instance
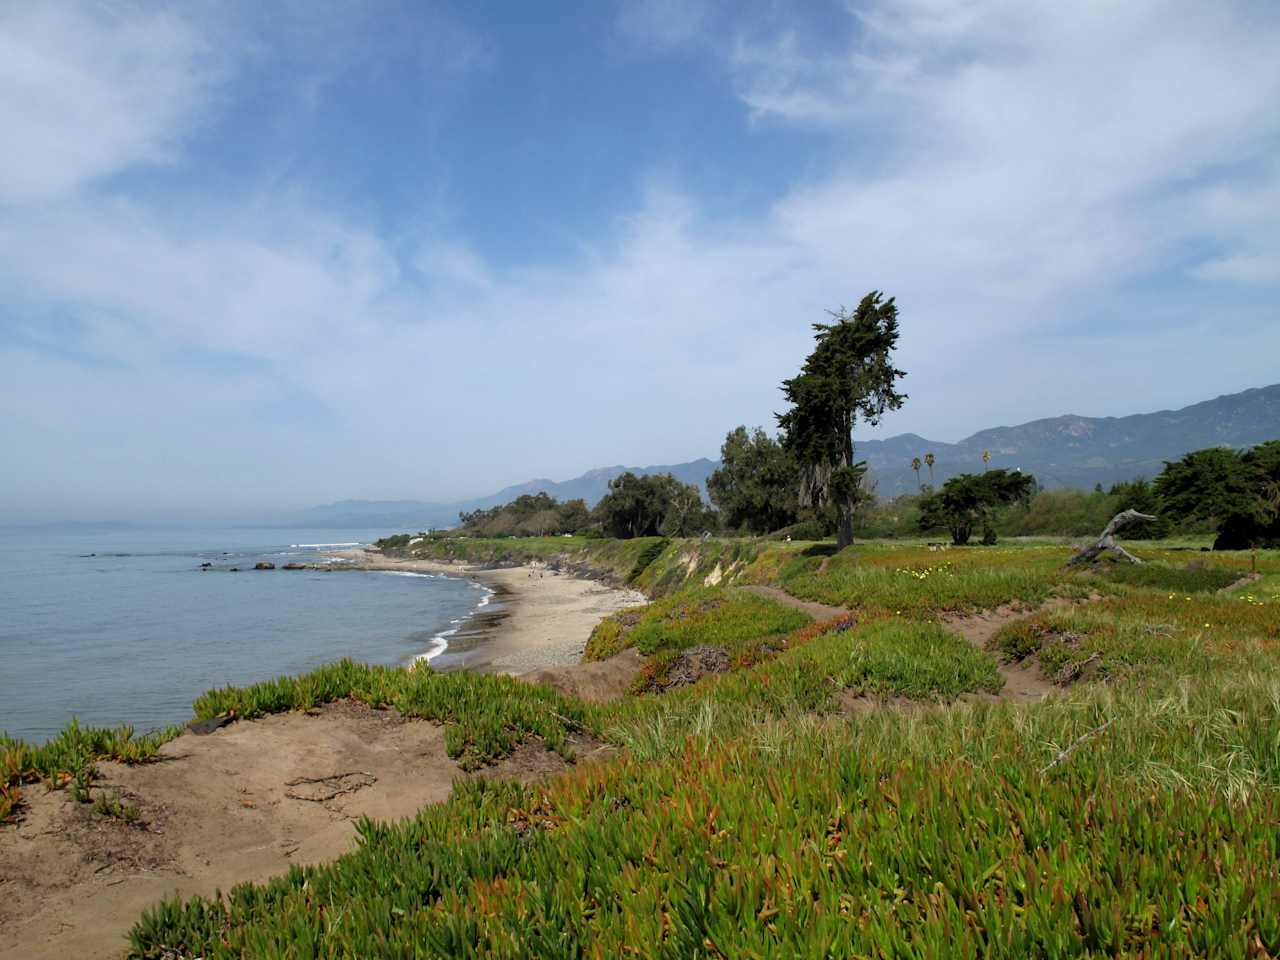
{"x":1066,"y":451}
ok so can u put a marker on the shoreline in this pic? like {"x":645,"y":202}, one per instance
{"x":536,"y":617}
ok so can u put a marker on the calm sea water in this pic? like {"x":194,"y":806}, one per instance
{"x":122,"y":625}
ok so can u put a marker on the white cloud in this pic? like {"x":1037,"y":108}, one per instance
{"x":1010,"y":171}
{"x":87,"y":90}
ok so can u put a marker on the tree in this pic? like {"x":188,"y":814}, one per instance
{"x":969,"y":501}
{"x":687,"y":515}
{"x":929,"y":462}
{"x":652,"y":505}
{"x":915,"y":465}
{"x":1236,"y":494}
{"x":755,"y":487}
{"x":529,"y":515}
{"x":986,"y":458}
{"x":574,"y":516}
{"x":849,"y":375}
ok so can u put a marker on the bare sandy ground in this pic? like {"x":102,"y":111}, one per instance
{"x":541,"y":618}
{"x":241,"y":804}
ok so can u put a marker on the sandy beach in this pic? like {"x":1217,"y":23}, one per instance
{"x":538,"y":617}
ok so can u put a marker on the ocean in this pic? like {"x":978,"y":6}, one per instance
{"x":123,"y":625}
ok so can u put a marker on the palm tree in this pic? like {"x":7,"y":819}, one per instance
{"x":986,"y":458}
{"x":928,"y":459}
{"x":915,"y":465}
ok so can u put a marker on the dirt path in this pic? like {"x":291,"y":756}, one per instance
{"x":819,"y":611}
{"x":242,"y":804}
{"x":1023,"y":682}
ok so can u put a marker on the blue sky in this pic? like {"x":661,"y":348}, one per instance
{"x":255,"y":256}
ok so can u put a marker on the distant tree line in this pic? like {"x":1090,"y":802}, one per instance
{"x":634,"y":507}
{"x":529,"y":515}
{"x":1235,"y":495}
{"x":807,"y":482}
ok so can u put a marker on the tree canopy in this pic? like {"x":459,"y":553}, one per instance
{"x":529,"y":515}
{"x":755,"y":487}
{"x":969,"y":501}
{"x":849,"y":375}
{"x":652,"y":505}
{"x":1237,"y":493}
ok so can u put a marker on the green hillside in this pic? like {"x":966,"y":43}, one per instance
{"x":877,"y":784}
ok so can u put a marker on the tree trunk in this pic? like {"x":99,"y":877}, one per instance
{"x":844,"y":525}
{"x":1108,"y":542}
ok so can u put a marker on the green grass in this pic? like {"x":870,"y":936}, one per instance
{"x":110,"y":805}
{"x":914,"y":582}
{"x":802,"y":677}
{"x":945,"y":833}
{"x":646,"y":557}
{"x":656,"y":565}
{"x":751,"y":815}
{"x":917,"y":661}
{"x":68,"y":758}
{"x":694,"y":616}
{"x":1193,"y":577}
{"x":486,"y":716}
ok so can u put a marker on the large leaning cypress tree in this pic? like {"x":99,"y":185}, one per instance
{"x":850,"y":374}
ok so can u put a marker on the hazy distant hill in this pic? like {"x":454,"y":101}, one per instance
{"x":1066,"y":451}
{"x":594,"y":484}
{"x":420,"y":515}
{"x":1074,"y":451}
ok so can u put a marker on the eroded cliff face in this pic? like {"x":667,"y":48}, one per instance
{"x":653,"y":565}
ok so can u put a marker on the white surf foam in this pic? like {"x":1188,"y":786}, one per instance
{"x":440,"y":642}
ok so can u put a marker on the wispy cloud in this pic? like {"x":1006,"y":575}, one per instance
{"x":90,"y":90}
{"x":1062,"y":196}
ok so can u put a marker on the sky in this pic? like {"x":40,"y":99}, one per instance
{"x":256,"y":256}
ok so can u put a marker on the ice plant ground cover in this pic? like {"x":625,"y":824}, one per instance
{"x":753,"y":813}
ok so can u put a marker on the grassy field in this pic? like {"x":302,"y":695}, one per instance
{"x":754,"y":813}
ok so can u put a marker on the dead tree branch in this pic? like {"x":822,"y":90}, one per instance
{"x":323,"y":789}
{"x":1108,"y":539}
{"x":1063,"y":754}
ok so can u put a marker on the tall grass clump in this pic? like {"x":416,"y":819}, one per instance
{"x":69,"y":757}
{"x":694,"y":616}
{"x":486,"y":716}
{"x":915,"y":583}
{"x":882,"y":658}
{"x":1194,"y":577}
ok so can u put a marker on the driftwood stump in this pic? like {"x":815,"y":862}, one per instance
{"x":1108,"y":539}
